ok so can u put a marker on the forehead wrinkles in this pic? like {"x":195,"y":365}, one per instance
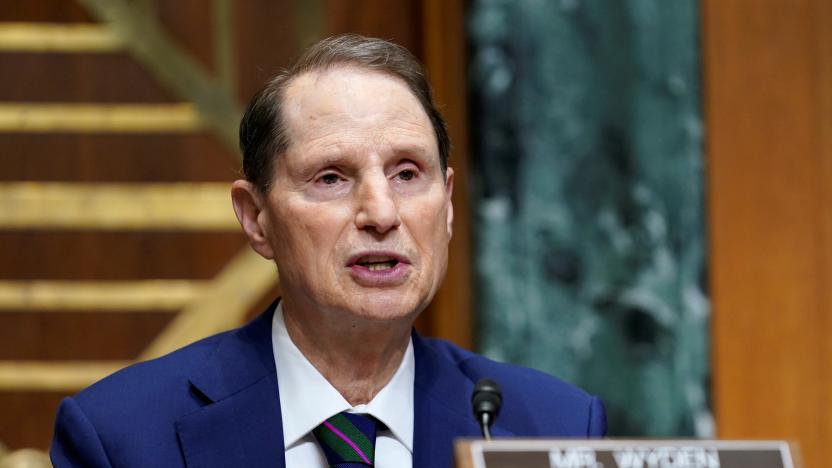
{"x":331,"y":103}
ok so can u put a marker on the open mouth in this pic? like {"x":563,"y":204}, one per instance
{"x":377,"y":262}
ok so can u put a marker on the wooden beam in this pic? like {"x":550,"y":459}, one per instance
{"x":172,"y":206}
{"x":48,"y":37}
{"x":57,"y":376}
{"x":92,"y":296}
{"x":98,"y":118}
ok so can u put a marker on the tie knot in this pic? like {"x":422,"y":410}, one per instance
{"x":348,"y":440}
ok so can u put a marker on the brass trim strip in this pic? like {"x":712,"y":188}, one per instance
{"x":174,"y":206}
{"x":310,"y":17}
{"x":224,"y":46}
{"x":91,"y":296}
{"x":55,"y":376}
{"x":99,"y":118}
{"x":46,"y":37}
{"x":223,"y":305}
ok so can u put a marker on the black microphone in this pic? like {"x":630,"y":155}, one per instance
{"x":486,"y":401}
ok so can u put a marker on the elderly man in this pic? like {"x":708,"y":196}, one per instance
{"x":348,"y":191}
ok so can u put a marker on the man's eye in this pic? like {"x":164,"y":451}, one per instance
{"x":329,"y":179}
{"x":406,"y":174}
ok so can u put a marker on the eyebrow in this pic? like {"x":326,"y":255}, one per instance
{"x":336,"y":158}
{"x":414,"y":149}
{"x":331,"y":159}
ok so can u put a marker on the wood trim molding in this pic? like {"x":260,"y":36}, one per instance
{"x":769,"y":123}
{"x":445,"y":58}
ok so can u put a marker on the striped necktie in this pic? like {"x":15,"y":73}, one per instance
{"x":348,"y":440}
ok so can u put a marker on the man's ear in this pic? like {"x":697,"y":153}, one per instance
{"x":249,"y":204}
{"x":449,"y":189}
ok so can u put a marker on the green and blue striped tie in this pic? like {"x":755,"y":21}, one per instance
{"x":348,"y":440}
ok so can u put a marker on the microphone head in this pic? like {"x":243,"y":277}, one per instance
{"x":487,"y":398}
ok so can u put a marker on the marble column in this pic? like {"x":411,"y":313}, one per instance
{"x":587,"y":169}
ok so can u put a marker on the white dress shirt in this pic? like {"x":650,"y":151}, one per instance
{"x":307,"y":399}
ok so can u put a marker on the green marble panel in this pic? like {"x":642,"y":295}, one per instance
{"x":588,"y":187}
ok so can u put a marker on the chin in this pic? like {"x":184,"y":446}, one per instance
{"x":383,"y":306}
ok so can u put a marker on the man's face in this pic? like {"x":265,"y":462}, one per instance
{"x":359,"y":216}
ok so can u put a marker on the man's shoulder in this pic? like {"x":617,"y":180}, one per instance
{"x":132,"y":409}
{"x":535,"y":401}
{"x":170,"y":375}
{"x":155,"y":382}
{"x":477,"y":366}
{"x":149,"y":376}
{"x":140,"y":407}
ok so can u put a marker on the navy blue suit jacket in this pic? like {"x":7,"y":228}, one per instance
{"x":215,"y":403}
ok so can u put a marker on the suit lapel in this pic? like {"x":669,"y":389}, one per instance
{"x":442,"y":408}
{"x":241,"y":425}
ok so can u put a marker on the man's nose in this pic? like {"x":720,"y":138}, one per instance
{"x":377,"y":205}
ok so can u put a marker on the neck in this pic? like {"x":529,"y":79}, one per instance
{"x":337,"y":344}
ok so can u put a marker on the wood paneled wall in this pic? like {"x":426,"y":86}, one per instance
{"x":267,"y":35}
{"x":768,"y":106}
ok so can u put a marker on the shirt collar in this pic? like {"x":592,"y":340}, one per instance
{"x":307,"y":399}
